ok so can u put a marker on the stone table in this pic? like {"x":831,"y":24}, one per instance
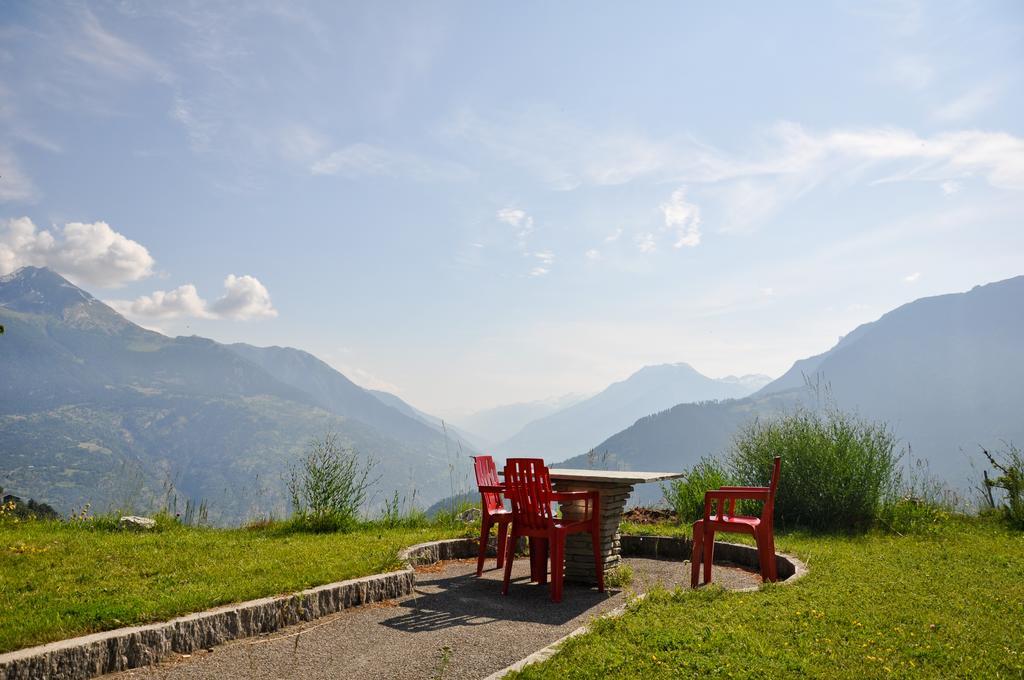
{"x":615,"y":487}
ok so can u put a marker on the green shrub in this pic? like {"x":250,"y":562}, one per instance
{"x":686,"y":495}
{"x":328,"y":487}
{"x":1009,"y":480}
{"x":837,"y":469}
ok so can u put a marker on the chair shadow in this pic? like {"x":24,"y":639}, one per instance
{"x":466,"y":600}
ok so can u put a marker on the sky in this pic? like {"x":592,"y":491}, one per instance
{"x":470,"y":204}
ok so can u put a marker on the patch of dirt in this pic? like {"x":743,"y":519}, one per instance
{"x":648,"y":516}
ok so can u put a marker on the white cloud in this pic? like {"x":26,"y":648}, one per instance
{"x":645,"y":242}
{"x":366,"y":160}
{"x":563,"y":155}
{"x":545,"y":256}
{"x":522,"y":222}
{"x":91,"y":254}
{"x":300,"y":143}
{"x":107,"y":52}
{"x":614,"y":236}
{"x":950,"y":187}
{"x":244,"y":298}
{"x":738,"y":191}
{"x":15,"y":185}
{"x":683,"y":218}
{"x":513,"y":216}
{"x":593,"y":254}
{"x":182,"y":301}
{"x":201,"y":131}
{"x":969,"y":104}
{"x":768,"y":292}
{"x":911,"y":278}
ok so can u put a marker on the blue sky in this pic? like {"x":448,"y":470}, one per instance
{"x":478,"y":203}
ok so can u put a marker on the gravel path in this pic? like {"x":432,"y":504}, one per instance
{"x":455,"y":626}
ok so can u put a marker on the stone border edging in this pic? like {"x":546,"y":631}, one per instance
{"x":134,"y":646}
{"x":670,"y":547}
{"x":667,"y":547}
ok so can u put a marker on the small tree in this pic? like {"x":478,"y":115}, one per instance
{"x":329,"y":485}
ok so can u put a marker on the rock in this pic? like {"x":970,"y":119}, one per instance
{"x":136,"y":522}
{"x":470,"y":516}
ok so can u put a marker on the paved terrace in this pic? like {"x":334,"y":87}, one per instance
{"x":454,"y":626}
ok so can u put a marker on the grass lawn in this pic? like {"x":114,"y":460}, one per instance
{"x":59,"y":580}
{"x":948,"y":605}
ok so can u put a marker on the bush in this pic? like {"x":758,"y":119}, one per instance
{"x":1009,"y":464}
{"x":837,"y":469}
{"x":686,"y":495}
{"x":328,"y":486}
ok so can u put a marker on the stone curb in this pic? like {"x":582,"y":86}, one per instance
{"x":124,"y":648}
{"x":667,"y":547}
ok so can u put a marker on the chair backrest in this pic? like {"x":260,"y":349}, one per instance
{"x":487,"y":475}
{"x":769,"y":507}
{"x":528,"y":487}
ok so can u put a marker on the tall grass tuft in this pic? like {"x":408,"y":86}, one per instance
{"x":837,"y":469}
{"x":922,"y":505}
{"x":328,"y":486}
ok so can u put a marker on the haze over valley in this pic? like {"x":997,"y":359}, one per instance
{"x":94,"y":408}
{"x":550,"y":230}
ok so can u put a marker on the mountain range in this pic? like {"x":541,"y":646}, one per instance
{"x":651,"y":389}
{"x":945,"y":372}
{"x":94,"y":408}
{"x":496,"y":424}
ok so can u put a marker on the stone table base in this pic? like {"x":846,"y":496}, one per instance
{"x":579,"y":553}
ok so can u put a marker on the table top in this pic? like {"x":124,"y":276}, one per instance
{"x":620,"y":476}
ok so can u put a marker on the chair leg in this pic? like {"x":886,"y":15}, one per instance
{"x":485,"y":535}
{"x":595,"y":538}
{"x":766,"y":553}
{"x":709,"y":553}
{"x":762,"y":556}
{"x":698,"y":552}
{"x":539,"y":560}
{"x":502,"y":540}
{"x":557,"y":549}
{"x":510,"y":555}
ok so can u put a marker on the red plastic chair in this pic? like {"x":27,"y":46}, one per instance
{"x":528,"y":487}
{"x":492,"y":510}
{"x":720,"y":515}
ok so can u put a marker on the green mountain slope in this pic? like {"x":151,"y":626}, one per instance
{"x":947,"y":373}
{"x":94,"y":408}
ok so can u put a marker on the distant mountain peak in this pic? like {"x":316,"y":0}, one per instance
{"x":42,"y":291}
{"x":39,"y":290}
{"x":656,"y":368}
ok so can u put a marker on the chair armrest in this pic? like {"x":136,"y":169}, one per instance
{"x":492,"y":488}
{"x":738,"y":493}
{"x":743,"y":488}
